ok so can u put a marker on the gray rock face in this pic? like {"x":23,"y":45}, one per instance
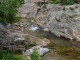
{"x":28,"y":9}
{"x":12,"y":38}
{"x":60,"y":20}
{"x":64,"y":20}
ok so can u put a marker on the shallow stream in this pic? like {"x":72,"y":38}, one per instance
{"x":60,"y":48}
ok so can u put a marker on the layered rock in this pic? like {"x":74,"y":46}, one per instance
{"x":60,"y":20}
{"x":12,"y":38}
{"x":64,"y":20}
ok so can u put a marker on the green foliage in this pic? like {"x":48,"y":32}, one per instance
{"x":54,"y":1}
{"x":66,"y":2}
{"x":71,"y":8}
{"x":10,"y":55}
{"x":33,"y":44}
{"x":35,"y":55}
{"x":62,"y":2}
{"x":8,"y":10}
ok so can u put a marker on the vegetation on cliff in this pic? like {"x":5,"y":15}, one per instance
{"x":8,"y":10}
{"x":62,"y":2}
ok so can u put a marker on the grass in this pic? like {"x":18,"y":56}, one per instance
{"x":54,"y":1}
{"x":10,"y":55}
{"x":33,"y":44}
{"x":35,"y":55}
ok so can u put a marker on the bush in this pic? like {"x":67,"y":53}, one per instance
{"x":62,"y":2}
{"x":35,"y":55}
{"x":54,"y":1}
{"x":33,"y":44}
{"x":66,"y":2}
{"x":8,"y":11}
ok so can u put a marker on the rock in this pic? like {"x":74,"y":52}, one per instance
{"x":1,"y":26}
{"x":28,"y":9}
{"x":63,"y":20}
{"x":38,"y":48}
{"x":45,"y":29}
{"x":38,"y":41}
{"x":42,"y":51}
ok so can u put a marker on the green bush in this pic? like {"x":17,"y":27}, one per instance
{"x":62,"y":2}
{"x":54,"y":1}
{"x":66,"y":2}
{"x":35,"y":55}
{"x":8,"y":11}
{"x":33,"y":44}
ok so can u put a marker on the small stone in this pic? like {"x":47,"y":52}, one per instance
{"x":45,"y":29}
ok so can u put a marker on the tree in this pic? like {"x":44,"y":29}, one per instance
{"x":8,"y":11}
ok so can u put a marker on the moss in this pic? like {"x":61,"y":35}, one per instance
{"x":70,"y":53}
{"x":64,"y":8}
{"x":71,"y":8}
{"x":54,"y":1}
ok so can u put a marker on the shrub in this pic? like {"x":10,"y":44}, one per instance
{"x":54,"y":1}
{"x":8,"y":11}
{"x":33,"y":44}
{"x":66,"y":2}
{"x":35,"y":55}
{"x":62,"y":2}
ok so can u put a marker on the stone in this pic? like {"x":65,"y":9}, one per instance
{"x":28,"y":9}
{"x":45,"y":29}
{"x":42,"y":51}
{"x":38,"y":41}
{"x":63,"y":20}
{"x":38,"y":48}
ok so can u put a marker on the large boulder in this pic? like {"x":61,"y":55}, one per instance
{"x":64,"y":20}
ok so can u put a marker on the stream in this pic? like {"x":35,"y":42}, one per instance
{"x":60,"y":48}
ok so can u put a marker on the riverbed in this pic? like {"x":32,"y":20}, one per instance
{"x":60,"y":48}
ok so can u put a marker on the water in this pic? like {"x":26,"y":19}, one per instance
{"x":33,"y":28}
{"x":60,"y":48}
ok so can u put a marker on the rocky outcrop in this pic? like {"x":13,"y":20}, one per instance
{"x":64,"y":20}
{"x":12,"y":37}
{"x":60,"y":20}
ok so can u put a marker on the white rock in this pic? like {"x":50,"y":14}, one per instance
{"x":42,"y":51}
{"x":39,"y":49}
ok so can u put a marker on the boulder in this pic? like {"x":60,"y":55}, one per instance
{"x":38,"y":41}
{"x":38,"y":48}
